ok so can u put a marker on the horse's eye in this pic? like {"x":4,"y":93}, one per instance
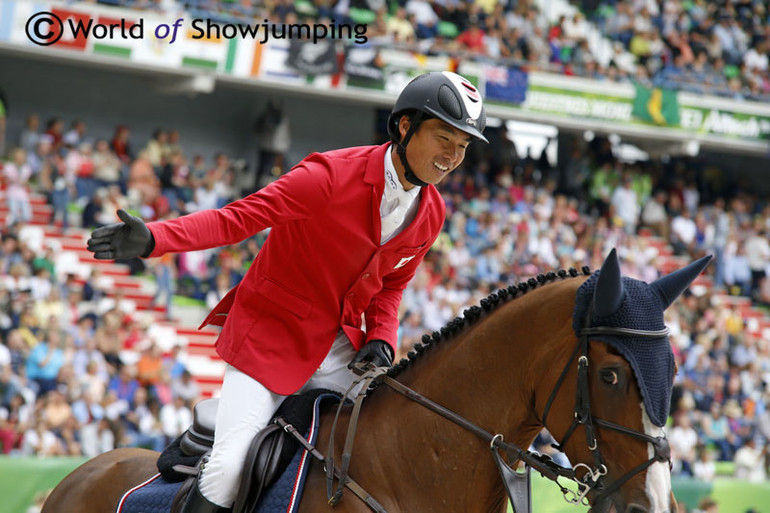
{"x":609,"y":376}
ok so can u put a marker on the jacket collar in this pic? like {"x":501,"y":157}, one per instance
{"x":374,"y":174}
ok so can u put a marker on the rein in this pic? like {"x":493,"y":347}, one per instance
{"x":516,"y":483}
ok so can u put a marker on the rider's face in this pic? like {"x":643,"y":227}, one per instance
{"x":435,"y":150}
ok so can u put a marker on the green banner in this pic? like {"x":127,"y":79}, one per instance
{"x":578,"y":104}
{"x":723,"y":122}
{"x":656,"y":105}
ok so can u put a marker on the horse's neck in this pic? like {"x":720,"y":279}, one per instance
{"x":488,"y":375}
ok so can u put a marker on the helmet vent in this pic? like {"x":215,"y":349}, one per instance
{"x":471,"y":92}
{"x":449,"y":102}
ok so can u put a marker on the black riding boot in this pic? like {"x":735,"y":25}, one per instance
{"x":197,"y":503}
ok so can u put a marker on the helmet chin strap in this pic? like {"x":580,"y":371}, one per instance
{"x":401,"y":150}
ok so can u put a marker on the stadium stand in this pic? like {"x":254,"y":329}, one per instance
{"x":93,"y":359}
{"x":702,"y":47}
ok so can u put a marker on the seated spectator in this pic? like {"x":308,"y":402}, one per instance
{"x":75,"y":135}
{"x":683,"y":439}
{"x":121,"y":146}
{"x":39,"y":440}
{"x":750,"y":464}
{"x":30,"y":135}
{"x":156,"y":148}
{"x":472,"y":39}
{"x":400,"y":28}
{"x":44,"y":362}
{"x":56,"y":411}
{"x":683,"y":231}
{"x":17,"y":174}
{"x":15,"y":417}
{"x":106,"y":164}
{"x":704,"y":468}
{"x":124,"y":385}
{"x":185,"y":387}
{"x":716,"y":430}
{"x":175,"y":418}
{"x":737,"y":272}
{"x":149,"y":366}
{"x":143,"y":428}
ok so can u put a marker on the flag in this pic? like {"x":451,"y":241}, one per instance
{"x":505,"y":84}
{"x":363,"y":67}
{"x":656,"y":105}
{"x":309,"y":58}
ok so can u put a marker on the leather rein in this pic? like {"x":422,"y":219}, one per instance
{"x":516,"y":483}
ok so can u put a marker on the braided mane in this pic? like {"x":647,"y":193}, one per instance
{"x":474,"y":313}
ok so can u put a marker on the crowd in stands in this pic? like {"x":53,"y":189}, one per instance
{"x":699,"y":46}
{"x":81,"y":374}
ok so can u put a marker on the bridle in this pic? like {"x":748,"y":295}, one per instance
{"x":516,"y":483}
{"x":593,"y":479}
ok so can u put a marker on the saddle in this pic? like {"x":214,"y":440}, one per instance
{"x":269,"y":453}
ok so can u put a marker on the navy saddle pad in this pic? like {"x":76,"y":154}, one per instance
{"x":156,"y":494}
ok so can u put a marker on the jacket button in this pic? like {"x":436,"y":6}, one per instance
{"x":365,"y":276}
{"x":351,"y":295}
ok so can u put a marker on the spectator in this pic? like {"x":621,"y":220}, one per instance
{"x":120,"y":144}
{"x":625,"y":204}
{"x":149,"y":366}
{"x":683,"y":231}
{"x":54,"y":129}
{"x":704,"y":468}
{"x":750,"y":462}
{"x":106,"y":164}
{"x":39,"y":440}
{"x":716,"y":430}
{"x":400,"y":28}
{"x":143,"y":426}
{"x":185,"y":387}
{"x":30,"y":136}
{"x":758,"y":256}
{"x":124,"y":385}
{"x":175,"y":417}
{"x":17,"y":174}
{"x":157,"y":148}
{"x":273,"y":140}
{"x":76,"y":134}
{"x":683,"y":439}
{"x":45,"y":360}
{"x":737,"y":271}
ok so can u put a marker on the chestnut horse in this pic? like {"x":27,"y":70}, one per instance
{"x":502,"y":366}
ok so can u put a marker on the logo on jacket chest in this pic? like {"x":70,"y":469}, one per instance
{"x":403,"y":262}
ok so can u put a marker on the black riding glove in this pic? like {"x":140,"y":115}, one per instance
{"x":120,"y":241}
{"x":378,"y":352}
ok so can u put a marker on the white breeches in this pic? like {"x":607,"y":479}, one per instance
{"x":246,"y":406}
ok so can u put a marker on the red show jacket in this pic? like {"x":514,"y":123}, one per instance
{"x":320,"y":269}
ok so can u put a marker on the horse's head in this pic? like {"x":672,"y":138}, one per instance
{"x":613,"y":404}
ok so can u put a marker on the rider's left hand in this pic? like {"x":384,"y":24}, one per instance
{"x":377,"y":352}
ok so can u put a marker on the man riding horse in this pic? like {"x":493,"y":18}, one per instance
{"x":348,"y":230}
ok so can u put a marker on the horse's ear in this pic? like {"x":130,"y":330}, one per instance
{"x":609,"y":292}
{"x":668,"y":287}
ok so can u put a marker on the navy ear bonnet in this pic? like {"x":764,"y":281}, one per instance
{"x":611,"y":300}
{"x":651,"y":359}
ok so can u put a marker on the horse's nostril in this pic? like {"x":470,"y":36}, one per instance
{"x":635,"y":508}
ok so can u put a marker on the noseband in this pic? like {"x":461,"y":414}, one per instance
{"x":593,"y":479}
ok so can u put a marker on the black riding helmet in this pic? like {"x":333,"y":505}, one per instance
{"x":442,"y":95}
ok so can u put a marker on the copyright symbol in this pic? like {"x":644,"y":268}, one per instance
{"x":44,"y":28}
